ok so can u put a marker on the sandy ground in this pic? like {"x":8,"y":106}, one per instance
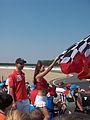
{"x":29,"y":75}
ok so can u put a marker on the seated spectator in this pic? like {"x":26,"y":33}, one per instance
{"x":5,"y":104}
{"x":76,"y":94}
{"x":69,"y":99}
{"x":67,"y":89}
{"x":60,"y":100}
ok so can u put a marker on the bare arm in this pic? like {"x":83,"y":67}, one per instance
{"x":12,"y":94}
{"x":79,"y":104}
{"x":42,"y":74}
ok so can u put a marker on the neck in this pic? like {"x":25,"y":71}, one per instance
{"x":18,"y":70}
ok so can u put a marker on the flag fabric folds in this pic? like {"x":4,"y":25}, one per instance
{"x":76,"y":59}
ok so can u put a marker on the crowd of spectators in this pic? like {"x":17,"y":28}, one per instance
{"x":40,"y":101}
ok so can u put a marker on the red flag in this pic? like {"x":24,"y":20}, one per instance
{"x":76,"y":59}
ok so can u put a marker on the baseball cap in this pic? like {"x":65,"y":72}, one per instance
{"x":73,"y":87}
{"x":20,"y":60}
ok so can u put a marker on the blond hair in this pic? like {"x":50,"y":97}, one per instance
{"x":17,"y":115}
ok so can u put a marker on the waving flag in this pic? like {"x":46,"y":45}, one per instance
{"x":76,"y":59}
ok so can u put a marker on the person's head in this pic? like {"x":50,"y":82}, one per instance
{"x":5,"y":102}
{"x":36,"y":114}
{"x":57,"y":117}
{"x":39,"y":68}
{"x":61,"y":84}
{"x":76,"y":116}
{"x":74,"y":88}
{"x":17,"y":115}
{"x":20,"y":63}
{"x":68,"y":86}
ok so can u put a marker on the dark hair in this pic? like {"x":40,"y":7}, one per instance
{"x":37,"y":69}
{"x":5,"y":100}
{"x":76,"y":116}
{"x":36,"y":114}
{"x":20,"y":60}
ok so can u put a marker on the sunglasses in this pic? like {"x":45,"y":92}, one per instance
{"x":21,"y":63}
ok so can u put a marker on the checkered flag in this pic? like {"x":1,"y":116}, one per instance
{"x":76,"y":57}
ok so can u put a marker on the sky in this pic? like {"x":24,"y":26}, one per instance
{"x":41,"y":29}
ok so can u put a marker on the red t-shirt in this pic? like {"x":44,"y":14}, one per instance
{"x":39,"y":85}
{"x":42,"y":84}
{"x":17,"y":81}
{"x":66,"y":92}
{"x":33,"y":95}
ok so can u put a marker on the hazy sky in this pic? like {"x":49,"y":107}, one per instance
{"x":41,"y":29}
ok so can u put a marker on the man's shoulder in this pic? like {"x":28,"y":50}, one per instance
{"x":22,"y":73}
{"x":13,"y":73}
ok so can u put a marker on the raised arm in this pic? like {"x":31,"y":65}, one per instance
{"x":42,"y":74}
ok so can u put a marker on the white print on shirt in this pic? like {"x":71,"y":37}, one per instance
{"x":19,"y":78}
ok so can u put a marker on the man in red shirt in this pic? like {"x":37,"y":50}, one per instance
{"x":17,"y":87}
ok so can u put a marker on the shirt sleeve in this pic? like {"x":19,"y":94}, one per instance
{"x":11,"y":80}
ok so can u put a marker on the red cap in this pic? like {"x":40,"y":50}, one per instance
{"x":68,"y":85}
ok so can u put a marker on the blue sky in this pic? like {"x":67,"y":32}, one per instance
{"x":41,"y":29}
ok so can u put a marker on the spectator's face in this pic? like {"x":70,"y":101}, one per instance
{"x":42,"y":68}
{"x":20,"y":66}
